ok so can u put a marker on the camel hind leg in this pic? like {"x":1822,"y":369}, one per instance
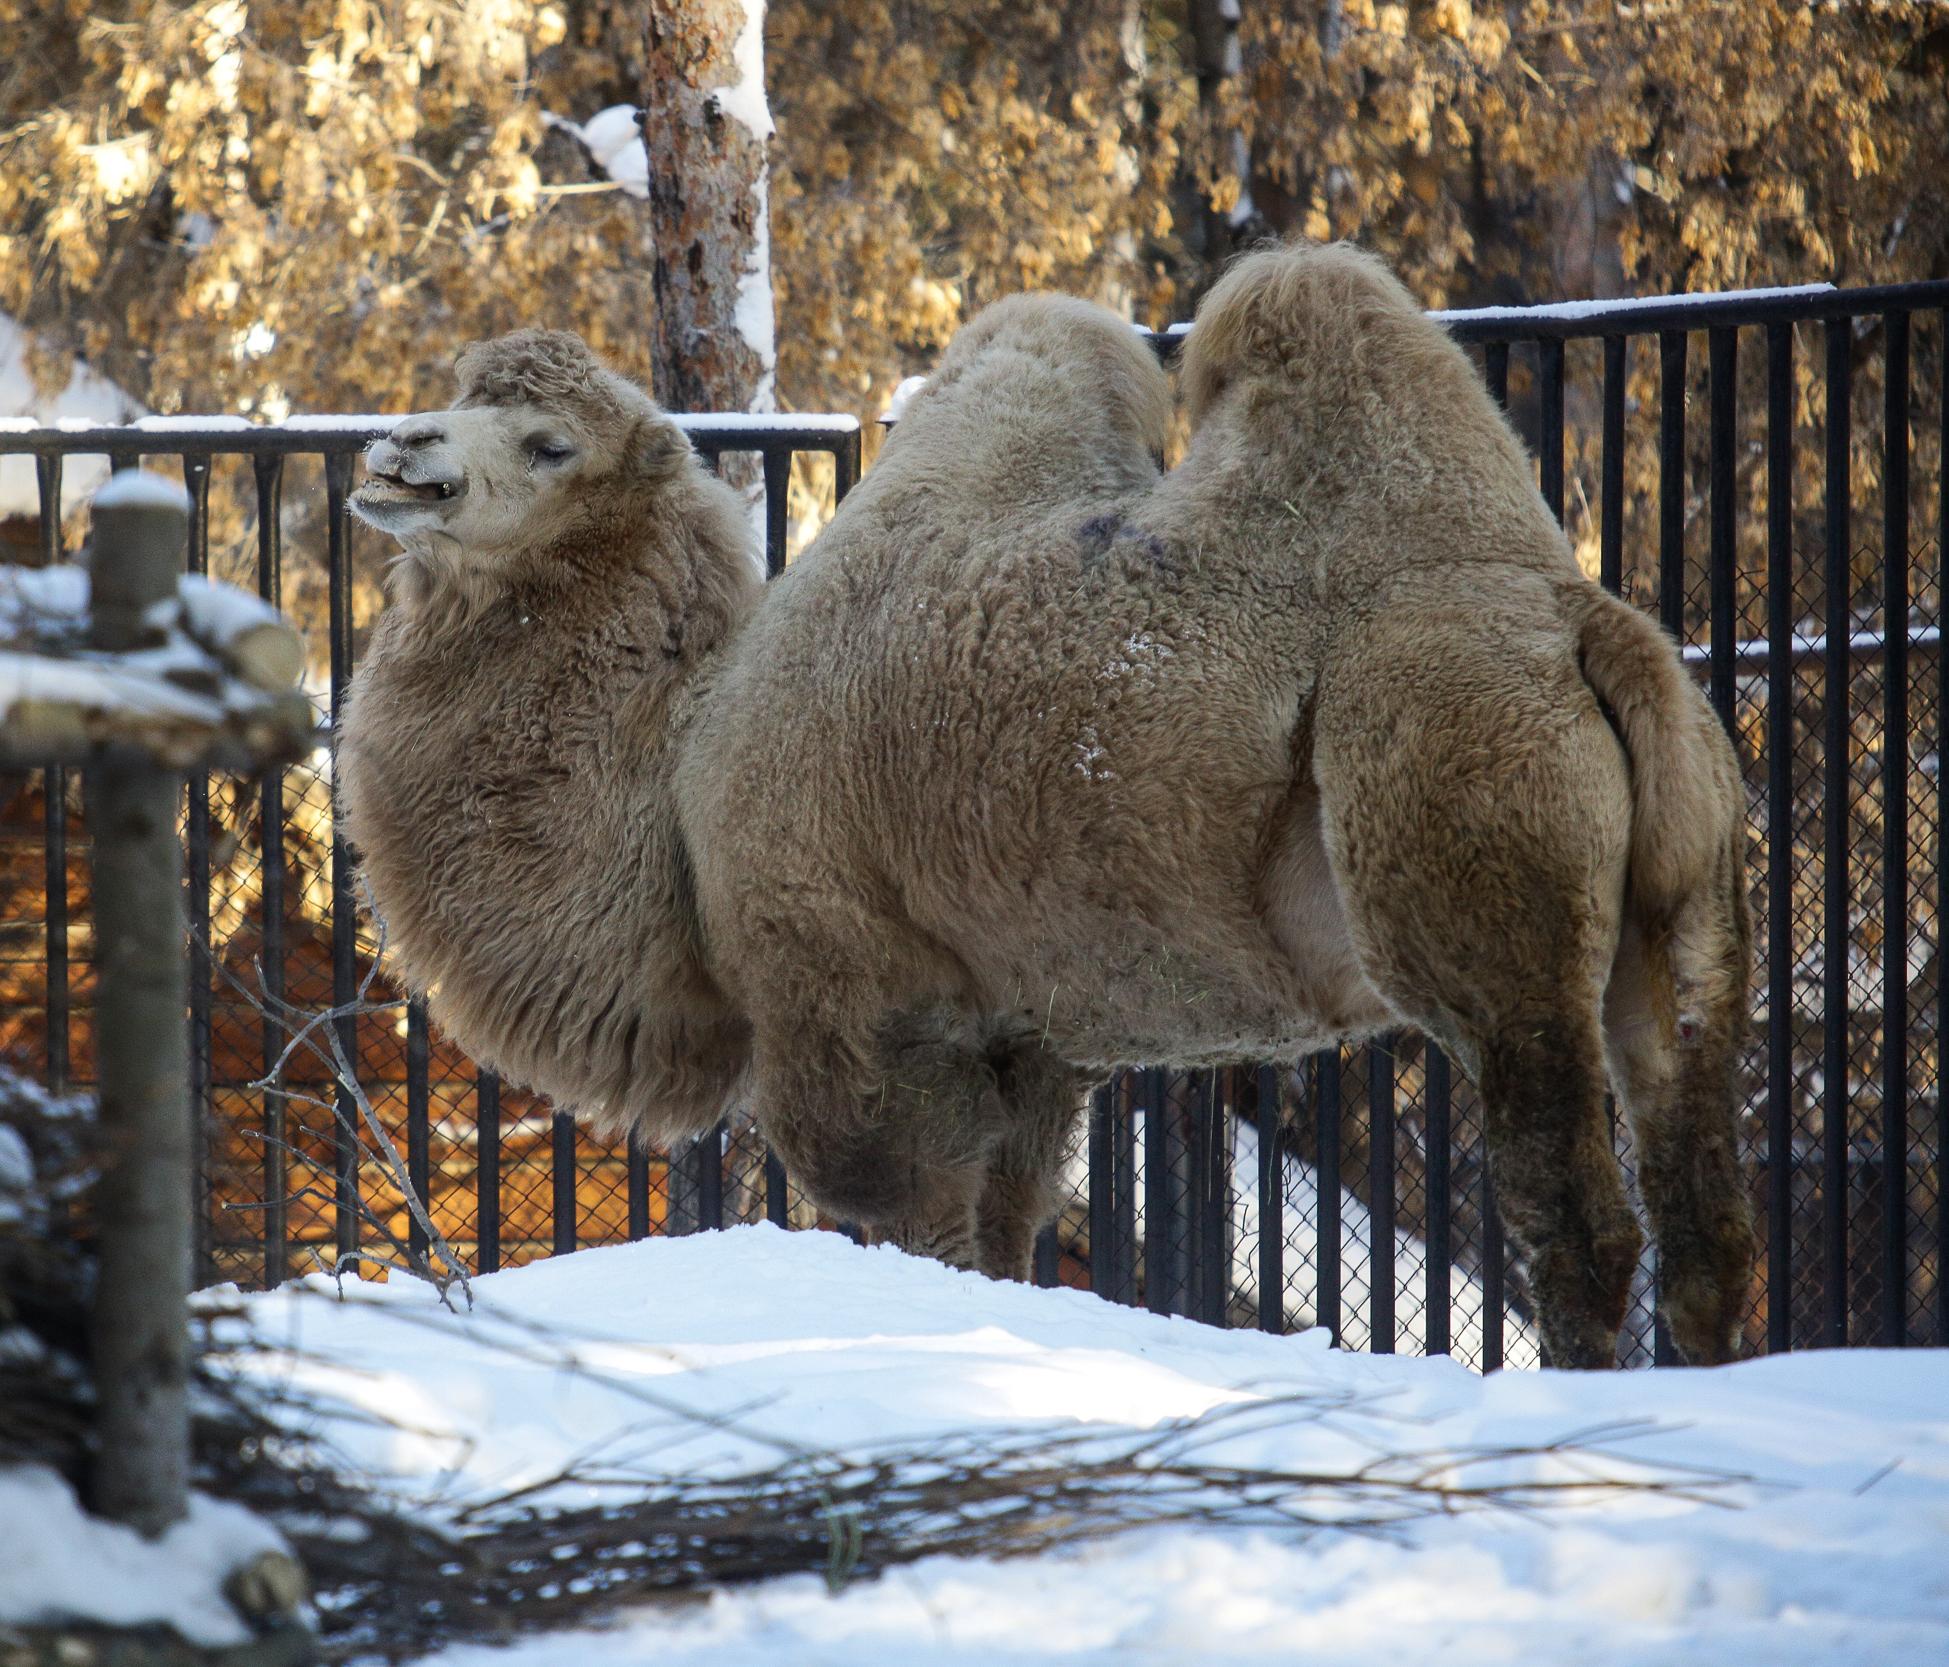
{"x":1519,"y":1003}
{"x":1483,"y":903}
{"x":1558,"y":1182}
{"x":1674,"y":1017}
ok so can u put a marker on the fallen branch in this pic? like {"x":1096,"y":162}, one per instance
{"x":316,"y":1033}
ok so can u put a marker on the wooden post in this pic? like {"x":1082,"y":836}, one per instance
{"x":139,"y":1330}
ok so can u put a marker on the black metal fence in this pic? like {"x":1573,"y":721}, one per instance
{"x":1792,"y":539}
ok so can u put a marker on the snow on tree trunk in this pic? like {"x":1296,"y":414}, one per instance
{"x":705,"y":127}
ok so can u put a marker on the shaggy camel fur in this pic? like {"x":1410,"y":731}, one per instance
{"x":1040,"y":763}
{"x":504,"y":760}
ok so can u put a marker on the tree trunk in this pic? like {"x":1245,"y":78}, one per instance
{"x":705,"y":125}
{"x":1215,"y":55}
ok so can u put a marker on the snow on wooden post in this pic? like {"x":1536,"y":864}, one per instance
{"x":140,"y":1336}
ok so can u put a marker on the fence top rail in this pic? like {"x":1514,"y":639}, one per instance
{"x":1648,"y":314}
{"x":203,"y":436}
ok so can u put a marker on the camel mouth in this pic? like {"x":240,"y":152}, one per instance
{"x":384,"y":487}
{"x":385,"y":500}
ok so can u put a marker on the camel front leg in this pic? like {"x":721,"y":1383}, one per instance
{"x":1042,"y":1099}
{"x":893,"y":1132}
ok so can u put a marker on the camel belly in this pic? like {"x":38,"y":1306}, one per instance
{"x":1240,"y":966}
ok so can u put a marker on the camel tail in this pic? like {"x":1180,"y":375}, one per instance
{"x":1688,"y":810}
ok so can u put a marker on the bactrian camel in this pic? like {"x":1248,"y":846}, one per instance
{"x":1041,"y":761}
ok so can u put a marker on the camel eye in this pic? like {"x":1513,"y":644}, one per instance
{"x":545,"y":448}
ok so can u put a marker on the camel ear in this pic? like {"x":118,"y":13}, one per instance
{"x":658,"y":450}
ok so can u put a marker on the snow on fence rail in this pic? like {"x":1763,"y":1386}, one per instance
{"x":1368,"y":1160}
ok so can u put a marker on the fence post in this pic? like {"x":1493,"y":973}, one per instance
{"x":139,"y":1334}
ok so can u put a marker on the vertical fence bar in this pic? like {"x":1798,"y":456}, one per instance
{"x":1779,"y":838}
{"x":845,"y":466}
{"x":196,"y":820}
{"x":778,"y":1204}
{"x":1723,"y":348}
{"x":54,"y":824}
{"x":1549,"y":364}
{"x":636,"y":1186}
{"x":1894,"y":831}
{"x":1326,"y":1106}
{"x":1942,"y":842}
{"x":1441,"y":1248}
{"x":1671,"y":480}
{"x":1493,"y":1262}
{"x":487,"y":1172}
{"x":710,"y":1179}
{"x":778,"y":481}
{"x":1834,"y":878}
{"x":1104,"y":1225}
{"x":1610,"y":521}
{"x":54,"y":789}
{"x":419,"y":1131}
{"x":1380,"y":1188}
{"x":562,"y":1177}
{"x":1722,"y":375}
{"x":1495,"y":371}
{"x":1272,"y":1207}
{"x":1197,"y":1190}
{"x":1160,"y":1215}
{"x":1125,"y":1187}
{"x":1216,"y":1210}
{"x":48,"y":469}
{"x":345,"y":912}
{"x":696,"y":1198}
{"x":268,"y":471}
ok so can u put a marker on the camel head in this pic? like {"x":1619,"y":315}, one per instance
{"x":543,"y":447}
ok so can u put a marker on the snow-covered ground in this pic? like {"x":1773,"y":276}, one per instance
{"x":721,"y":1352}
{"x":57,"y":1562}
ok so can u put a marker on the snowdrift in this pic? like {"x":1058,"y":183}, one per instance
{"x":714,"y":1354}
